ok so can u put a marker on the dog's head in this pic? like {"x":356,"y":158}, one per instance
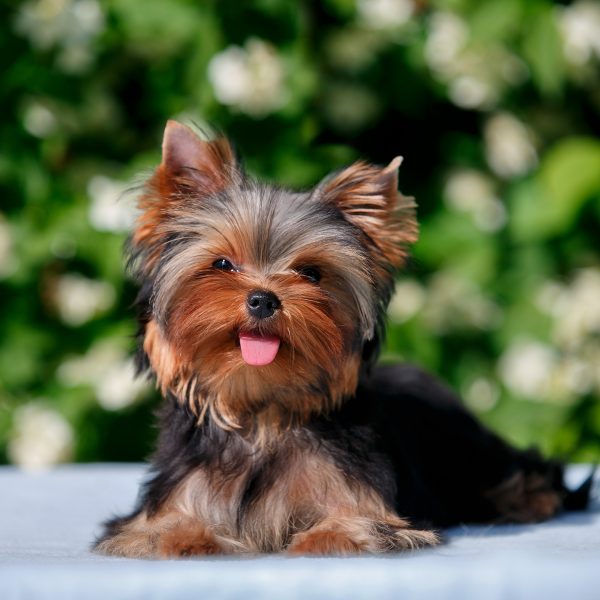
{"x":258,"y":299}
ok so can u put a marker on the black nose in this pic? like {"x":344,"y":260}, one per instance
{"x":262,"y":304}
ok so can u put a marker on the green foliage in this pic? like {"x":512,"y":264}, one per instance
{"x":494,"y":105}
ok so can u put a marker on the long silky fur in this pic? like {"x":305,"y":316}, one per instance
{"x":319,"y":452}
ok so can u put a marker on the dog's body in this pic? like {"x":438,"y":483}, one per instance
{"x":260,"y":314}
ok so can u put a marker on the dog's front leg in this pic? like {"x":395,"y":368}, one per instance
{"x":342,"y":535}
{"x":169,"y":534}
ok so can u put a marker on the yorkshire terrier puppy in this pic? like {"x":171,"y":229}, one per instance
{"x":261,"y":311}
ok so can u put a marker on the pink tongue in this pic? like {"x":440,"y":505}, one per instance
{"x":257,"y":350}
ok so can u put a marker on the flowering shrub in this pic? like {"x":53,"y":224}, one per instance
{"x":494,"y":105}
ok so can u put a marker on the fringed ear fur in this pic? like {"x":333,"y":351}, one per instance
{"x":190,"y":168}
{"x":187,"y":159}
{"x":368,"y":197}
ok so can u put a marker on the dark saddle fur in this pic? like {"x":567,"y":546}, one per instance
{"x":448,"y":468}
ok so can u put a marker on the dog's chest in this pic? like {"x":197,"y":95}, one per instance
{"x":269,"y":496}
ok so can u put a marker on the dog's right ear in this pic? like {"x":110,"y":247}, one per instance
{"x":187,"y":160}
{"x":191,"y":169}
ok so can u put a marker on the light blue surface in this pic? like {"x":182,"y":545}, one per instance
{"x":48,"y":520}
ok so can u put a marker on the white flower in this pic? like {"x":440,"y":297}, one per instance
{"x":540,"y":373}
{"x":508,"y":147}
{"x":75,"y":59}
{"x":118,"y":387}
{"x":407,"y":300}
{"x":250,"y":79}
{"x":385,"y":14}
{"x":453,"y":302}
{"x":78,"y":299}
{"x":470,"y":91}
{"x":575,"y":312}
{"x":475,"y":73}
{"x":575,"y":308}
{"x":472,"y":192}
{"x":108,"y":369}
{"x":580,"y":26}
{"x":69,"y":25}
{"x":7,"y":258}
{"x":41,"y":437}
{"x":574,"y":375}
{"x":548,"y":298}
{"x":448,"y":35}
{"x":110,"y":209}
{"x":526,"y":368}
{"x":481,"y":394}
{"x":39,"y":120}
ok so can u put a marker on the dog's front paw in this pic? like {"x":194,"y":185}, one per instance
{"x":353,"y":535}
{"x":323,"y":543}
{"x":164,"y":536}
{"x":175,"y":546}
{"x":188,"y":539}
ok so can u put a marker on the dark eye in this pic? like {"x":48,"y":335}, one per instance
{"x":311,"y":273}
{"x":223,"y":264}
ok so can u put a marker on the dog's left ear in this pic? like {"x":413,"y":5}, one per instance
{"x":368,"y":197}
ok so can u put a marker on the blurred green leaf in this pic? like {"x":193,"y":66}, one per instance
{"x":85,"y":94}
{"x":542,"y":48}
{"x":496,"y":19}
{"x":569,"y":175}
{"x":548,"y":205}
{"x":161,"y":27}
{"x":529,"y":217}
{"x":453,"y":239}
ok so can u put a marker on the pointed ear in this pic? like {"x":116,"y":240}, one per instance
{"x":368,"y":197}
{"x":190,"y":161}
{"x":191,"y":169}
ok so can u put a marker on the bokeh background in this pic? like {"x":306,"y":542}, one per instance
{"x":493,"y":103}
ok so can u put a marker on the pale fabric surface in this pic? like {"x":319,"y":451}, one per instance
{"x":48,"y":520}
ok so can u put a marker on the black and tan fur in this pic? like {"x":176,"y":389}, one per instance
{"x":318,"y":452}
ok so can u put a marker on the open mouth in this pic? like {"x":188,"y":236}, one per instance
{"x":259,"y":350}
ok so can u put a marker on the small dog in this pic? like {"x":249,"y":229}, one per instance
{"x":261,"y":312}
